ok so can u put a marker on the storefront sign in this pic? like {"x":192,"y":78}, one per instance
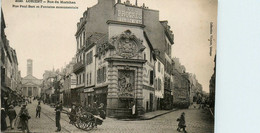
{"x":88,"y":90}
{"x":101,"y":91}
{"x":129,"y":14}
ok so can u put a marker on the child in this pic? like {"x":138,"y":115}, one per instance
{"x":181,"y":124}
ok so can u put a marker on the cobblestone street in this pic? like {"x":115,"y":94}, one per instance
{"x":197,"y":121}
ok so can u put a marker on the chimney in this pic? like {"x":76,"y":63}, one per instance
{"x":29,"y":67}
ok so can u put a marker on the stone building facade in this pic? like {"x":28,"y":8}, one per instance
{"x":119,"y":49}
{"x":181,"y":86}
{"x":10,"y":75}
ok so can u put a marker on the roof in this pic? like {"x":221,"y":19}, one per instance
{"x":154,"y":30}
{"x":31,"y":79}
{"x":94,"y":37}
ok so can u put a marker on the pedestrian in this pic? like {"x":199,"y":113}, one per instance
{"x":57,"y":118}
{"x":101,"y":110}
{"x":182,"y":123}
{"x":73,"y":114}
{"x":194,"y":101}
{"x":12,"y":115}
{"x":24,"y":117}
{"x":3,"y":120}
{"x":38,"y":110}
{"x":132,"y":108}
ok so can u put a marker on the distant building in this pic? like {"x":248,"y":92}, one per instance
{"x":69,"y":83}
{"x":195,"y":87}
{"x":31,"y":86}
{"x":47,"y":86}
{"x":212,"y":87}
{"x":181,"y":86}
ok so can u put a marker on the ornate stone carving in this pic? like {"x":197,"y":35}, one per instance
{"x":127,"y":45}
{"x":126,"y":84}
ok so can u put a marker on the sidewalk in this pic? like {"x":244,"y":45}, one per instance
{"x":154,"y":114}
{"x":149,"y":115}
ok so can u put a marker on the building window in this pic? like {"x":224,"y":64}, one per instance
{"x":84,"y":38}
{"x":159,"y":84}
{"x":83,"y":78}
{"x":144,"y":56}
{"x":90,"y":78}
{"x":98,"y":75}
{"x":151,"y":55}
{"x":99,"y":53}
{"x":87,"y":79}
{"x":90,"y":57}
{"x":104,"y":74}
{"x":101,"y":75}
{"x":151,"y":77}
{"x":77,"y":43}
{"x":155,"y":84}
{"x":159,"y":66}
{"x":80,"y":59}
{"x":80,"y":79}
{"x":80,"y":41}
{"x":104,"y":49}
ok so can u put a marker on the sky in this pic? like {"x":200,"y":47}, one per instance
{"x":47,"y":36}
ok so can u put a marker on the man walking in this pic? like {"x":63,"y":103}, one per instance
{"x":12,"y":115}
{"x":24,"y":117}
{"x":58,"y":109}
{"x":38,"y":110}
{"x":182,"y":123}
{"x":3,"y":120}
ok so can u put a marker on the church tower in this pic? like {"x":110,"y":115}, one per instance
{"x":29,"y":67}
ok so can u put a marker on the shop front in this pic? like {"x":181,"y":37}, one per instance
{"x":88,"y":97}
{"x":101,"y":95}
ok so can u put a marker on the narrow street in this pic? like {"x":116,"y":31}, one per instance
{"x":197,"y":121}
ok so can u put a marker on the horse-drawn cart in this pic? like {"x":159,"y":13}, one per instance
{"x":83,"y":119}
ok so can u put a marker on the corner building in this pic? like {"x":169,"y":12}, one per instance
{"x":117,"y":49}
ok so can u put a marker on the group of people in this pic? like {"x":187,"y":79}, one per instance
{"x":200,"y":101}
{"x":11,"y":113}
{"x":20,"y":120}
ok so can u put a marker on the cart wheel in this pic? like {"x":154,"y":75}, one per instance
{"x":77,"y":123}
{"x":89,"y":126}
{"x":82,"y":125}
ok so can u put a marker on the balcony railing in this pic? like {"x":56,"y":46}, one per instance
{"x":78,"y":67}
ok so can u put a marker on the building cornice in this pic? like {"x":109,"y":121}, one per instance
{"x":125,"y":60}
{"x":125,"y":23}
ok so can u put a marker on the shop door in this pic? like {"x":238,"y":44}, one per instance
{"x":29,"y":91}
{"x":151,"y":102}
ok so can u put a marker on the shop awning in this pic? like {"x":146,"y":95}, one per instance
{"x":5,"y":89}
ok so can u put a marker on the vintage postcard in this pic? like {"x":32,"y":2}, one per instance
{"x":108,"y":66}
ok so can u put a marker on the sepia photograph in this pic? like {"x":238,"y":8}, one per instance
{"x":108,"y":66}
